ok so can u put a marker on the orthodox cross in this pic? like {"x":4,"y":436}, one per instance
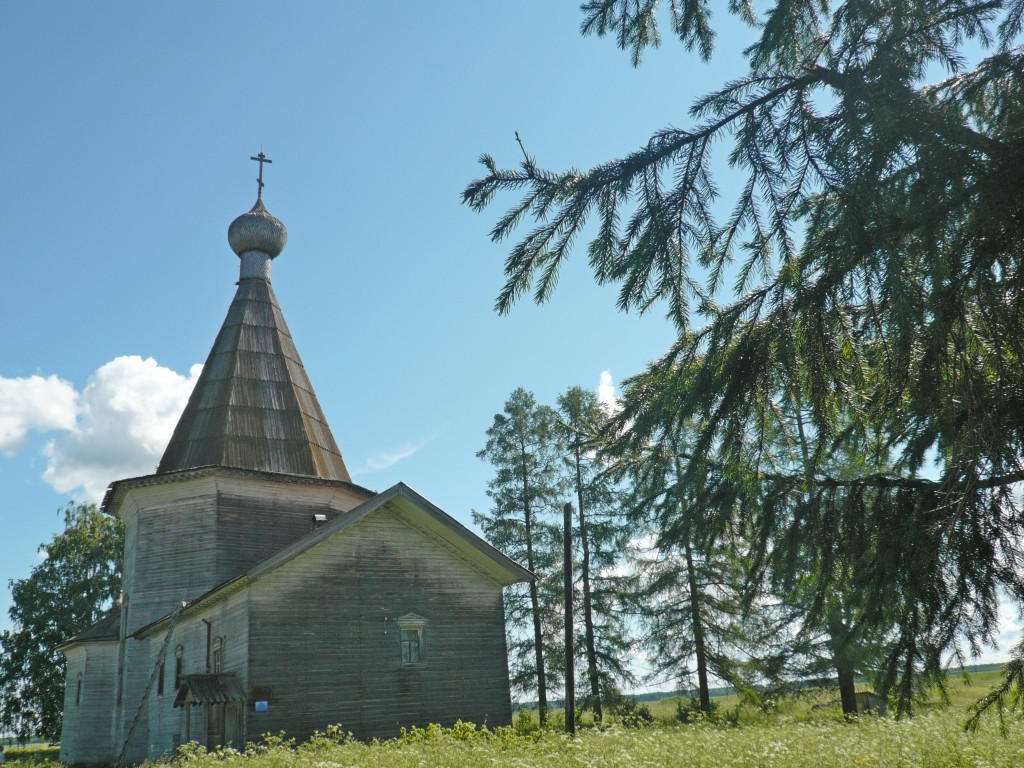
{"x":261,"y":159}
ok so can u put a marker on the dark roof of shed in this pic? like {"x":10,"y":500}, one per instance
{"x":253,"y":406}
{"x":106,"y":629}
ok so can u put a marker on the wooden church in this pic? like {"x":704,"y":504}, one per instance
{"x":263,"y":590}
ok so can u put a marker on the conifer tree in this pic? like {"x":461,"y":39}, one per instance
{"x":875,"y":249}
{"x":525,"y":491}
{"x":601,"y":537}
{"x":692,"y":573}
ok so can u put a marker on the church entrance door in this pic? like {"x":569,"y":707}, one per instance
{"x":215,"y":733}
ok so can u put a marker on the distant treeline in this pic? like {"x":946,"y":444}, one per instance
{"x":728,"y":690}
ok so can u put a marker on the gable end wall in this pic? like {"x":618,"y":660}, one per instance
{"x":325,"y":639}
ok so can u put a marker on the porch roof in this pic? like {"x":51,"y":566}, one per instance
{"x":208,"y":689}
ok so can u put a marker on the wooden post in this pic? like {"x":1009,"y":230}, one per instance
{"x":570,"y":672}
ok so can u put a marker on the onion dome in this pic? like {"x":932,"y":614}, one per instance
{"x":257,"y":231}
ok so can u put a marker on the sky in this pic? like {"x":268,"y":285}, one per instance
{"x":126,"y":139}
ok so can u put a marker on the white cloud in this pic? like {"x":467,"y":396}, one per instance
{"x":388,"y":459}
{"x":1011,"y":630}
{"x":126,"y":415}
{"x":34,"y":403}
{"x":606,"y":393}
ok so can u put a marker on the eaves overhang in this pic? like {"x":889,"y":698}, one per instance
{"x":116,"y":490}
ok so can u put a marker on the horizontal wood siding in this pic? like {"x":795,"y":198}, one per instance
{"x":137,"y":670}
{"x":85,"y":737}
{"x":325,"y":637}
{"x":228,"y":621}
{"x":258,"y":520}
{"x":184,"y":539}
{"x":173,"y":558}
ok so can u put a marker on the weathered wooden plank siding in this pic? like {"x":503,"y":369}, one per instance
{"x":170,"y":550}
{"x":182,"y":540}
{"x":229,"y":623}
{"x":136,"y":675}
{"x":255,"y":523}
{"x":86,"y":733}
{"x":325,"y":638}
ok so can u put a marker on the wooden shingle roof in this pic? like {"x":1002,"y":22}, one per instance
{"x":218,"y":688}
{"x":106,"y":629}
{"x":253,"y":406}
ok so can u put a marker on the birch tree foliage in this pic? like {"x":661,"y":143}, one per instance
{"x":71,"y":589}
{"x":874,"y":252}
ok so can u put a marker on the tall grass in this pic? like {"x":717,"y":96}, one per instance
{"x":797,"y":734}
{"x":931,"y":741}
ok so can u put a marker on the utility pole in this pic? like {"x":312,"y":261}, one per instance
{"x":570,"y":672}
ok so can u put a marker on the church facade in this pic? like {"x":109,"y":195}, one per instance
{"x":263,"y":590}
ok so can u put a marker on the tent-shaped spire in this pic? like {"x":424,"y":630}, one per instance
{"x":253,"y":406}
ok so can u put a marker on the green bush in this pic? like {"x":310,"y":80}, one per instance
{"x":524,"y":723}
{"x":689,"y":711}
{"x":629,"y":714}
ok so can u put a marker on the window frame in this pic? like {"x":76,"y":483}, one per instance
{"x":415,"y":625}
{"x":179,"y":666}
{"x":217,"y":661}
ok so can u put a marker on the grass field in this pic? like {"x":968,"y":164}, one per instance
{"x":799,"y":733}
{"x":32,"y":754}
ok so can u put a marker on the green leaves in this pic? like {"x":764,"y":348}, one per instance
{"x":635,"y":24}
{"x":68,"y":591}
{"x":865,"y":281}
{"x":543,"y":458}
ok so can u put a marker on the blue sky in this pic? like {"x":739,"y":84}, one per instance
{"x":126,"y":141}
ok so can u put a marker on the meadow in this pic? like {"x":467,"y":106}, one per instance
{"x":805,"y":731}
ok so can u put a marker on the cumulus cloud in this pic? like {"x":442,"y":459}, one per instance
{"x":606,"y":393}
{"x":34,"y":403}
{"x":1011,"y":630}
{"x":124,"y":418}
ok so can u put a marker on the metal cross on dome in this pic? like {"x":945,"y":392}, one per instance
{"x":261,"y":159}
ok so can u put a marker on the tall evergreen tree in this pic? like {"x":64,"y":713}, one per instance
{"x":525,"y":492}
{"x":74,"y":585}
{"x":692,"y":573}
{"x":879,"y":235}
{"x":601,"y":537}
